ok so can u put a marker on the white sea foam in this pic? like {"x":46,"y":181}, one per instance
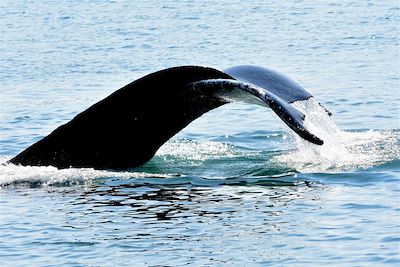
{"x":341,"y":150}
{"x":190,"y":150}
{"x":181,"y":149}
{"x":48,"y":175}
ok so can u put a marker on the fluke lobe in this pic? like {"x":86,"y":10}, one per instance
{"x":127,"y":128}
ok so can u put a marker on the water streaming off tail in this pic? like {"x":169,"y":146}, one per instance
{"x":341,"y":149}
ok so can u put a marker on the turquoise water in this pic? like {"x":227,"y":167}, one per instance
{"x":233,"y":188}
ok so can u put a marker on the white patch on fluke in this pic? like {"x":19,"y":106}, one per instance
{"x":341,"y":150}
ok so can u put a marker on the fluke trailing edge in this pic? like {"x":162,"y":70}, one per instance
{"x":128,"y":127}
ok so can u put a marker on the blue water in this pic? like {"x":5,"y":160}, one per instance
{"x":236,"y":187}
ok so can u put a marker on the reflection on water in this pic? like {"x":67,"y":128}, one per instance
{"x":163,"y":203}
{"x":176,"y":223}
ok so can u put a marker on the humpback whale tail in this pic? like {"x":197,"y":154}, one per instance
{"x":128,"y":127}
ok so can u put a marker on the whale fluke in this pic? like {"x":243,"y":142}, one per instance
{"x":233,"y":90}
{"x":126,"y":129}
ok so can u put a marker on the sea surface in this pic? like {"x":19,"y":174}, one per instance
{"x":234,"y":188}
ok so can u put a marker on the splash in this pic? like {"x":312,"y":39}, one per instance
{"x":190,"y":150}
{"x":341,"y":150}
{"x":11,"y":174}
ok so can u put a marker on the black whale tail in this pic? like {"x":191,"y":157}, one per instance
{"x":128,"y":127}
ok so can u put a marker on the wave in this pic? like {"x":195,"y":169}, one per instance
{"x":47,"y":175}
{"x":232,"y":162}
{"x":209,"y":163}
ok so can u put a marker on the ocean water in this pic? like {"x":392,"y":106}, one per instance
{"x":234,"y":188}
